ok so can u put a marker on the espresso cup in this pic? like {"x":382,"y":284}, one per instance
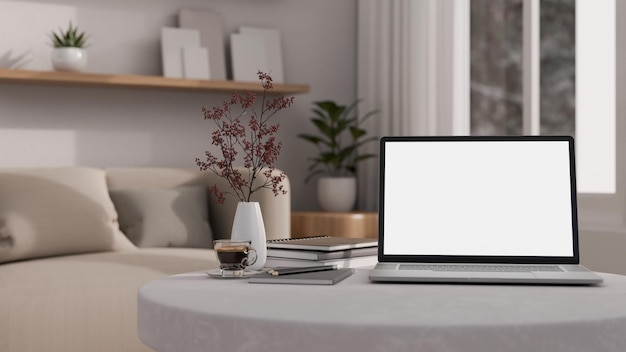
{"x":234,"y":256}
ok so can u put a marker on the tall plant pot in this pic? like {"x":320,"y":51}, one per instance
{"x":248,"y":225}
{"x":69,"y":59}
{"x":336,"y":194}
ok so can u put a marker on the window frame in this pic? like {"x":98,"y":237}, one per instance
{"x":606,"y":212}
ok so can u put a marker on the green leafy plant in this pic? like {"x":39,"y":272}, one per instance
{"x":70,"y":38}
{"x":340,"y":136}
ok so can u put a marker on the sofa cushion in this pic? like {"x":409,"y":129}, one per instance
{"x":154,"y":177}
{"x":56,"y":211}
{"x":85,"y":302}
{"x":275,"y":209}
{"x":159,"y":217}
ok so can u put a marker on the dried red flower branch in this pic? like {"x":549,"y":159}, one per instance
{"x":255,"y":140}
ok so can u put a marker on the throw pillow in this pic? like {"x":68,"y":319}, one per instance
{"x":56,"y":211}
{"x":160,"y":217}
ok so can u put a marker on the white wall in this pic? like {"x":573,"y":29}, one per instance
{"x":52,"y":125}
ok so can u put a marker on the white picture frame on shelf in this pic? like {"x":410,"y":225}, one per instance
{"x":209,"y":24}
{"x":196,"y":63}
{"x":173,"y":40}
{"x":273,"y":50}
{"x":254,"y":49}
{"x":248,"y":56}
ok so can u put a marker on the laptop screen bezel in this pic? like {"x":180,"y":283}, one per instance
{"x":574,"y":259}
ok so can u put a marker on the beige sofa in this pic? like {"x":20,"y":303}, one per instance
{"x":68,"y":275}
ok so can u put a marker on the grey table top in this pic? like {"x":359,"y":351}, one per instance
{"x":192,"y":312}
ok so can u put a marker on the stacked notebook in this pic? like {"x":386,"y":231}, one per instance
{"x":322,"y":250}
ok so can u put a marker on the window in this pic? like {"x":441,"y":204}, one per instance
{"x":421,"y":78}
{"x":496,"y":62}
{"x":548,"y":67}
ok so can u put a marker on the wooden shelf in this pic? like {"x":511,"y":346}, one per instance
{"x":138,"y":81}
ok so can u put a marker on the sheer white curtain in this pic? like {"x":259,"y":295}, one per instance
{"x":413,"y":67}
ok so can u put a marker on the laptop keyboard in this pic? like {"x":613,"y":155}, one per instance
{"x":480,"y":267}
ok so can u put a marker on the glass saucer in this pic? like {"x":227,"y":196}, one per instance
{"x":217,"y":273}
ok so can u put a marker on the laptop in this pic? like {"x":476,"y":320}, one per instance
{"x":479,"y":210}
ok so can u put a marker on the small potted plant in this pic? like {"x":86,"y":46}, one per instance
{"x":69,"y":52}
{"x":340,"y":136}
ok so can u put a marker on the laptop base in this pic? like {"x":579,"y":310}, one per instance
{"x":568,"y":275}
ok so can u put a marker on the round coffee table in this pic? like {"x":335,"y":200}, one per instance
{"x":192,"y":312}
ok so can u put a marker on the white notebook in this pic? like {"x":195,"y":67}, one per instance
{"x":322,"y":243}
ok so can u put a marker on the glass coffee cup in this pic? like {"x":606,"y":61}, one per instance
{"x":234,"y":256}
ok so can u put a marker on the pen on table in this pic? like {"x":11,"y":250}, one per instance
{"x":309,"y":269}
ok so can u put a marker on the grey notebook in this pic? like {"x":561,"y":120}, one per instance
{"x":327,"y":277}
{"x":479,"y":209}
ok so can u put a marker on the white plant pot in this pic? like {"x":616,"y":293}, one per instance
{"x":336,"y":194}
{"x":248,"y":225}
{"x":69,"y":59}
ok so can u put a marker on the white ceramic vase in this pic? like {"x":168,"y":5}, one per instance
{"x":69,"y":59}
{"x":248,"y":225}
{"x":336,"y":194}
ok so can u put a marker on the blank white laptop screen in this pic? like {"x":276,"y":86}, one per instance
{"x":472,"y":198}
